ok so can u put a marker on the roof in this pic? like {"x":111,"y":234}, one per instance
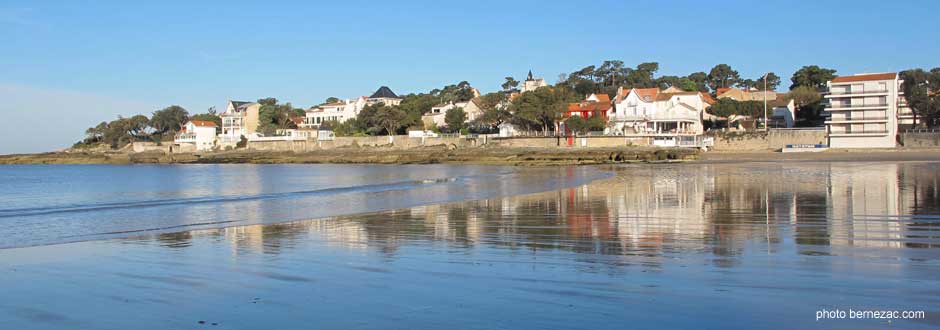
{"x":384,"y":92}
{"x":203,"y":123}
{"x":667,"y":96}
{"x":589,"y":106}
{"x":707,"y":98}
{"x":647,"y":94}
{"x":601,"y":97}
{"x":866,"y":77}
{"x":241,"y":104}
{"x":720,"y":91}
{"x":297,"y":120}
{"x":334,"y":104}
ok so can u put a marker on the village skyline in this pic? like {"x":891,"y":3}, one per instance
{"x":199,"y":56}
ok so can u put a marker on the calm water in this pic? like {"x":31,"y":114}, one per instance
{"x":57,"y":204}
{"x":729,"y":246}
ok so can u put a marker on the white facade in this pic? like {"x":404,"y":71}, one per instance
{"x":197,"y":134}
{"x":863,"y":111}
{"x":338,"y":112}
{"x":239,"y":118}
{"x":531,"y":83}
{"x":649,"y":112}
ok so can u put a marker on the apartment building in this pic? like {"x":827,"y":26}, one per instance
{"x":240,"y":118}
{"x":864,"y":111}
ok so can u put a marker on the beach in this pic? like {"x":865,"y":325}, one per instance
{"x":650,"y":245}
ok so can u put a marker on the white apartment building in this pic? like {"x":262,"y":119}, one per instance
{"x":864,"y":111}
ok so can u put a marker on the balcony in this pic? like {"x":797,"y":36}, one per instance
{"x":849,"y":120}
{"x":843,"y":107}
{"x":857,"y":92}
{"x":185,"y":138}
{"x":859,"y":133}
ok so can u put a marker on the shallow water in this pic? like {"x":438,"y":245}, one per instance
{"x":734,"y":246}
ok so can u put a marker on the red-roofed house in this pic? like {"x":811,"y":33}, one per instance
{"x":648,"y":111}
{"x":593,"y":105}
{"x":196,"y":135}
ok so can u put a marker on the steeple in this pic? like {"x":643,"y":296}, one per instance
{"x":530,"y":76}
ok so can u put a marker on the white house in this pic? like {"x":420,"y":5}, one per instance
{"x":196,"y":135}
{"x":436,"y":116}
{"x":648,"y":111}
{"x":337,"y":111}
{"x":240,"y":118}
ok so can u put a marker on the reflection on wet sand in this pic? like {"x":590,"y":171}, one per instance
{"x":716,"y":246}
{"x":718,"y":209}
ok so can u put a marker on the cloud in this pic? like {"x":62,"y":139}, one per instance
{"x":39,"y":119}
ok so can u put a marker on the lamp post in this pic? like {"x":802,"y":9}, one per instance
{"x":766,"y":127}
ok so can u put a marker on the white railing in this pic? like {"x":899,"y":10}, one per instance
{"x":185,"y":138}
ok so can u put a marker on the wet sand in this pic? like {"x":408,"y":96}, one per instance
{"x":716,"y":246}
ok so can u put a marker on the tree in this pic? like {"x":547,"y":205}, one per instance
{"x":494,"y":109}
{"x":808,"y":103}
{"x":812,"y":76}
{"x":331,"y":99}
{"x":510,"y":84}
{"x":268,"y":101}
{"x":722,"y":76}
{"x":701,"y":81}
{"x":168,"y":119}
{"x":389,"y":118}
{"x":921,"y":90}
{"x":539,"y":109}
{"x":772,"y":82}
{"x":727,"y":107}
{"x":455,"y":118}
{"x":746,"y":84}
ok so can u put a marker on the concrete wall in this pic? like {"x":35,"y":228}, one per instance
{"x":578,"y":142}
{"x":920,"y":140}
{"x":772,"y":140}
{"x":396,"y":142}
{"x":151,"y":146}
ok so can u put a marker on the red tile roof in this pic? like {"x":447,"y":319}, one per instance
{"x":866,"y":77}
{"x":720,"y":91}
{"x":297,"y":120}
{"x":203,"y":123}
{"x":707,"y":98}
{"x":589,"y":106}
{"x":603,"y":97}
{"x":647,"y":94}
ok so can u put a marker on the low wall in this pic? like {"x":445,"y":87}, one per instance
{"x":151,"y":146}
{"x":396,"y":142}
{"x":772,"y":140}
{"x":577,"y":142}
{"x":920,"y":139}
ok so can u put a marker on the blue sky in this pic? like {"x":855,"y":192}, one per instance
{"x":66,"y":65}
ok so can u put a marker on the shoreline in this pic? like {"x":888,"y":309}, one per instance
{"x":532,"y":156}
{"x":366,"y":155}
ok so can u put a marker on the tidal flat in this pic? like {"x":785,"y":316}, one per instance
{"x":652,"y":246}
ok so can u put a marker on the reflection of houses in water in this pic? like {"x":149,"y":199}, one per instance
{"x":865,"y":208}
{"x":659,"y":207}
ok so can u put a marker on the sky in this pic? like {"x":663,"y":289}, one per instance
{"x":67,"y":65}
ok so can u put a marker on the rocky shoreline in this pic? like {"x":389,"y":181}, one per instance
{"x":425,"y":155}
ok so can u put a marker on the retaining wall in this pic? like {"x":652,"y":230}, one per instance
{"x":920,"y":139}
{"x":774,"y":139}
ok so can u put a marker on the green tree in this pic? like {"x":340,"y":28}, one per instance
{"x":455,"y":118}
{"x":812,"y":76}
{"x":921,"y":90}
{"x":510,"y":84}
{"x":268,"y":101}
{"x":701,"y":81}
{"x":727,"y":107}
{"x":746,"y":84}
{"x":494,"y":109}
{"x":722,"y":76}
{"x":389,"y":118}
{"x":539,"y":109}
{"x":772,"y":81}
{"x":168,"y":119}
{"x":331,"y":99}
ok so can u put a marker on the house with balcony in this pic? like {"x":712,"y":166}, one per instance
{"x":864,"y":110}
{"x":651,"y":112}
{"x":339,"y":112}
{"x":240,"y":118}
{"x":196,"y":135}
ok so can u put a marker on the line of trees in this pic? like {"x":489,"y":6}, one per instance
{"x":922,"y":92}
